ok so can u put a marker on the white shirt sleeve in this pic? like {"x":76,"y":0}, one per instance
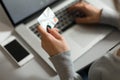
{"x":110,"y":17}
{"x":64,"y":66}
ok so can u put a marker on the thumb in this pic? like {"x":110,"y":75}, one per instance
{"x":42,"y":31}
{"x":84,"y":20}
{"x":55,"y":33}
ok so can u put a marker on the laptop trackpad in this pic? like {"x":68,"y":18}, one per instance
{"x":81,"y":39}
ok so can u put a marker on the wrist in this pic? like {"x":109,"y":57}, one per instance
{"x":58,"y":53}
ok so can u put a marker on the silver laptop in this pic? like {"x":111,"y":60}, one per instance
{"x":23,"y":15}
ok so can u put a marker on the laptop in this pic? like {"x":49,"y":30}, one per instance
{"x":23,"y":15}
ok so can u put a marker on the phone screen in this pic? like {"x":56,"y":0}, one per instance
{"x":16,"y":50}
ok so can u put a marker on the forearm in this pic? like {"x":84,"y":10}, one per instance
{"x":64,"y":67}
{"x":110,"y":17}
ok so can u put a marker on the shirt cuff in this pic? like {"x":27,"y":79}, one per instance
{"x":110,"y":17}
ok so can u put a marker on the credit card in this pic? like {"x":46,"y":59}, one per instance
{"x":48,"y":19}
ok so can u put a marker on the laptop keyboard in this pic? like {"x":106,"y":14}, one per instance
{"x":66,"y":19}
{"x":33,"y":28}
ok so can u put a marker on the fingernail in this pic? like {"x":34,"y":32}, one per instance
{"x":48,"y":27}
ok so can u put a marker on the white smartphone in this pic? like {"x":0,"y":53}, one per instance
{"x":16,"y":51}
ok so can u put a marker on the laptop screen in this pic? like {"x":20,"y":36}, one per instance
{"x":20,"y":10}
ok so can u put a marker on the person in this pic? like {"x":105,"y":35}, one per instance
{"x":105,"y":68}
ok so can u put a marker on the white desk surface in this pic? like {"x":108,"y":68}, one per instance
{"x":37,"y":67}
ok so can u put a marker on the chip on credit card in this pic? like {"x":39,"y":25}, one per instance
{"x":48,"y":19}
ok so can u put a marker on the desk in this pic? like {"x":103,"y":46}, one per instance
{"x":37,"y":67}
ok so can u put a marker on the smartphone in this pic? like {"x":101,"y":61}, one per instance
{"x":16,"y":51}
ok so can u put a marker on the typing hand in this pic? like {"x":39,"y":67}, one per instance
{"x":53,"y":43}
{"x":90,"y":13}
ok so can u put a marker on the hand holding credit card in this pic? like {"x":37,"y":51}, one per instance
{"x":47,"y":19}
